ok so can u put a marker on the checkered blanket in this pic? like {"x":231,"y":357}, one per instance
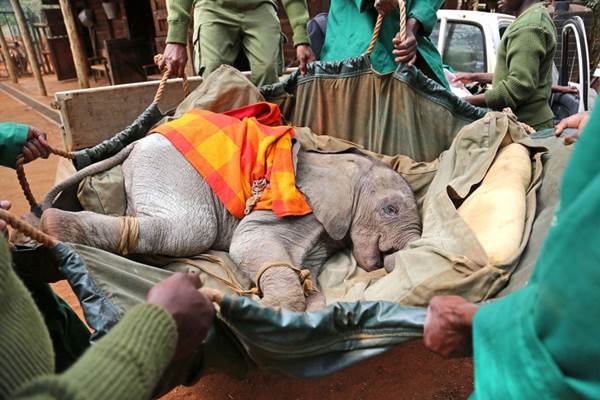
{"x":235,"y":150}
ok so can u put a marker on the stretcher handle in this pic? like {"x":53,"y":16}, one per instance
{"x":163,"y":82}
{"x":402,"y":6}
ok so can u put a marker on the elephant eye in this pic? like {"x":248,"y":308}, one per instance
{"x":391,"y":210}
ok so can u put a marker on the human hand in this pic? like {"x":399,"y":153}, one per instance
{"x":174,"y":59}
{"x":575,"y":121}
{"x":448,"y":326}
{"x":565,"y":89}
{"x":406,"y":50}
{"x":5,"y":205}
{"x":384,"y":7}
{"x":192,"y":311}
{"x":304,"y":55}
{"x":464,"y":77}
{"x":36,"y":145}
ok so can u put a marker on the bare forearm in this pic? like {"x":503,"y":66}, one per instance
{"x":483,"y":77}
{"x":477,"y":100}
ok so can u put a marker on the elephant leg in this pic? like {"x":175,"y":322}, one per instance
{"x":176,"y":235}
{"x":83,"y":227}
{"x":155,"y":235}
{"x":281,"y":288}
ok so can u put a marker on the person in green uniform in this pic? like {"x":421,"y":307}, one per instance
{"x":541,"y":341}
{"x":350,"y":27}
{"x":222,"y":27}
{"x":522,"y":79}
{"x":70,"y":337}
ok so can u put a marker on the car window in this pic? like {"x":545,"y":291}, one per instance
{"x":435,"y":34}
{"x":464,"y":47}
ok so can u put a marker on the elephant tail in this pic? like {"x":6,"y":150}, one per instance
{"x":80,"y":175}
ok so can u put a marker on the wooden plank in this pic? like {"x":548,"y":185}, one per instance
{"x":90,"y":116}
{"x":35,"y":66}
{"x":79,"y":57}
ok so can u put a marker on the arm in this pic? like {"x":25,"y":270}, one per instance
{"x":448,"y":326}
{"x":129,"y":361}
{"x":468,"y":77}
{"x":178,"y":18}
{"x":23,"y":139}
{"x":297,"y":11}
{"x":406,"y":50}
{"x":125,"y":364}
{"x":12,"y":138}
{"x":421,"y":19}
{"x":477,"y":100}
{"x":424,"y":11}
{"x":525,"y":45}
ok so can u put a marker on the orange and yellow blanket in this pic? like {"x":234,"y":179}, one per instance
{"x":235,"y":149}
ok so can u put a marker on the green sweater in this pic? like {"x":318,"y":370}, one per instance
{"x":125,"y":364}
{"x":542,"y":341}
{"x":179,"y":16}
{"x":523,"y":75}
{"x":12,"y":139}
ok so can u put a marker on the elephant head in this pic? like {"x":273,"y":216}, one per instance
{"x":363,"y":200}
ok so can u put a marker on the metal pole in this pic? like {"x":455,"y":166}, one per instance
{"x":79,"y":58}
{"x":29,"y":46}
{"x":10,"y":66}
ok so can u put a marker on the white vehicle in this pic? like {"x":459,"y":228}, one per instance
{"x":468,"y":42}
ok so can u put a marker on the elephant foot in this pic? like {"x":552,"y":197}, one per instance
{"x":281,"y":288}
{"x":82,"y":227}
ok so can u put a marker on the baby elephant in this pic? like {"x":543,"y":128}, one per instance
{"x":356,"y":202}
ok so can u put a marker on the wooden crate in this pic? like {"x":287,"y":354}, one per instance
{"x":90,"y":116}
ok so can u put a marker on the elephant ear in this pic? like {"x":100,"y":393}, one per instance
{"x":329,"y":183}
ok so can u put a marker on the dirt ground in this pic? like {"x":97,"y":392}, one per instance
{"x":407,"y":372}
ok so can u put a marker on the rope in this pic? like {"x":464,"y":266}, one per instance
{"x":28,"y":230}
{"x":130,"y":231}
{"x":304,"y":275}
{"x":20,"y":169}
{"x":232,"y":283}
{"x":402,"y":7}
{"x":258,"y":187}
{"x":163,"y":81}
{"x":375,"y":34}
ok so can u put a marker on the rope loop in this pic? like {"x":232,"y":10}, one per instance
{"x":163,"y":81}
{"x":377,"y":29}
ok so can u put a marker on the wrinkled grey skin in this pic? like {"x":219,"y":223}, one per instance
{"x":356,"y":202}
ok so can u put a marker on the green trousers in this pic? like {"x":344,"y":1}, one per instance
{"x":223,"y":29}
